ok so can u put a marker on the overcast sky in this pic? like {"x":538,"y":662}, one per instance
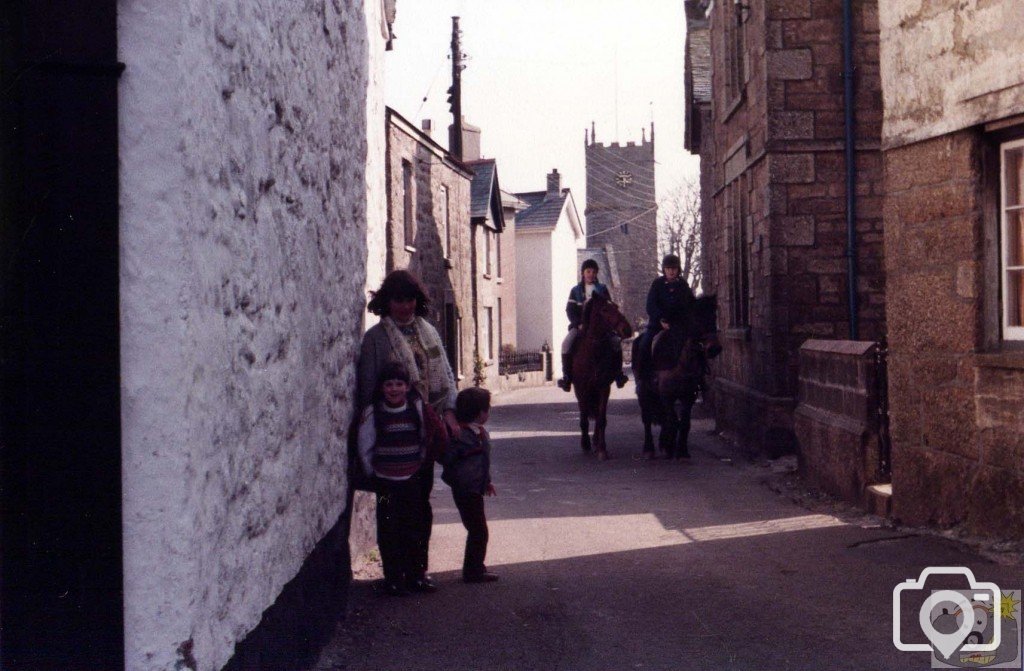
{"x":539,"y":71}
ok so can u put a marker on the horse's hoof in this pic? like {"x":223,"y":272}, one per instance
{"x":681,"y":457}
{"x":649,"y":455}
{"x":602,"y":456}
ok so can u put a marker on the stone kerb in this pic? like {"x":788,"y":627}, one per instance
{"x":836,"y":419}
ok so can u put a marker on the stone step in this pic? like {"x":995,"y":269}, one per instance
{"x":878,"y":499}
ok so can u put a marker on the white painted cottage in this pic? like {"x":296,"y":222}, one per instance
{"x":548,"y":234}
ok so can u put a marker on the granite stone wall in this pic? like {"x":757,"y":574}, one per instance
{"x":955,"y":393}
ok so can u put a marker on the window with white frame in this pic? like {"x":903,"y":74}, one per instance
{"x":488,"y":329}
{"x":445,"y":233}
{"x":487,"y":251}
{"x":1011,"y":242}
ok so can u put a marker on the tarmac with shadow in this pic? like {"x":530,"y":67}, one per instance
{"x":634,"y":564}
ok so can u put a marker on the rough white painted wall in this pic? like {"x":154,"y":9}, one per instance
{"x":949,"y":64}
{"x":362,"y":532}
{"x":244,"y":173}
{"x":533,"y":290}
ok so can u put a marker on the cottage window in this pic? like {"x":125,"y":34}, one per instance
{"x":487,"y":251}
{"x":408,"y":205}
{"x":497,"y":252}
{"x":485,"y":334}
{"x":445,"y":232}
{"x":1011,"y":266}
{"x":735,"y":49}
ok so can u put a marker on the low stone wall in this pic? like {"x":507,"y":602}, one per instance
{"x":836,"y":419}
{"x":535,"y":378}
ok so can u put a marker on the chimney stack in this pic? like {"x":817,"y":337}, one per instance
{"x":554,"y":183}
{"x":427,"y":126}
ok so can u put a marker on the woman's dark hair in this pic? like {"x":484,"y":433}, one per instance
{"x":399,"y":284}
{"x":471,"y":402}
{"x":589,"y":263}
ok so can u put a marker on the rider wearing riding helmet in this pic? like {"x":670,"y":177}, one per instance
{"x":578,"y":296}
{"x":668,"y":299}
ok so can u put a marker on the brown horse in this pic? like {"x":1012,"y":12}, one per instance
{"x":594,"y":368}
{"x":668,"y":383}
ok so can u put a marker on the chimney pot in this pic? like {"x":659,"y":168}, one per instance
{"x":554,"y":183}
{"x":427,"y":126}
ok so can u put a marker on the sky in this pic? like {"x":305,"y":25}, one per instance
{"x":538,"y":72}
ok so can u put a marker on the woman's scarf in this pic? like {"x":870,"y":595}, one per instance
{"x":435,"y":388}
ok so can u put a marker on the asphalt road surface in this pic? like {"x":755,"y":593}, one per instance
{"x":632,"y":564}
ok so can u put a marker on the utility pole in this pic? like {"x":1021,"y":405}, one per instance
{"x":455,"y":92}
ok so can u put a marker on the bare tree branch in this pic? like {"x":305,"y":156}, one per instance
{"x":679,"y":230}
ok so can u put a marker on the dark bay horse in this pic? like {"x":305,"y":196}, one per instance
{"x":594,"y":368}
{"x":671,"y":377}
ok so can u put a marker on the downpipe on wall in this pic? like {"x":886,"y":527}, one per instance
{"x":851,"y":174}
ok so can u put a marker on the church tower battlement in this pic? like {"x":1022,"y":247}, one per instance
{"x":622,"y":214}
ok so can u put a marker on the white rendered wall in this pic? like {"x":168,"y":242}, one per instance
{"x":533,"y":290}
{"x":947,"y":65}
{"x":244,"y":186}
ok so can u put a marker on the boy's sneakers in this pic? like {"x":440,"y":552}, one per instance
{"x":483,"y":576}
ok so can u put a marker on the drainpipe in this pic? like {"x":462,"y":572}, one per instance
{"x":851,"y":174}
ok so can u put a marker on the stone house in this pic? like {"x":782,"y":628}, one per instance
{"x":548,"y":234}
{"x":186,"y":197}
{"x":765,"y":106}
{"x":428,"y":231}
{"x":953,"y":146}
{"x":487,"y":232}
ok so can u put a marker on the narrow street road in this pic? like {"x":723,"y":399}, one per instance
{"x":630,"y":564}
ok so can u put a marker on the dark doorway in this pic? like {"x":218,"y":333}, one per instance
{"x":61,"y":597}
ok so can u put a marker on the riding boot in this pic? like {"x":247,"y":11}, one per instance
{"x":565,"y":384}
{"x":621,"y":378}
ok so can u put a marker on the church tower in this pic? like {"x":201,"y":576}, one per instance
{"x":622,"y":216}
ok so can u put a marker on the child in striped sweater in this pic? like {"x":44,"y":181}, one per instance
{"x":399,"y":438}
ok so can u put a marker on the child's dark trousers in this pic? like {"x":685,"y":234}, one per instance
{"x":471,"y":510}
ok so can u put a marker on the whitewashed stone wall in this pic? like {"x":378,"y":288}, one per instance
{"x":251,"y":166}
{"x":949,"y":64}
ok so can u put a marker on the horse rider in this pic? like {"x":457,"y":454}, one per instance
{"x":668,"y":301}
{"x":578,"y":296}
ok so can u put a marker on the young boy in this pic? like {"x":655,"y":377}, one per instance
{"x":467,"y":470}
{"x":399,"y":438}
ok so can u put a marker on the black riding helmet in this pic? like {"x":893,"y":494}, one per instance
{"x":671,"y":261}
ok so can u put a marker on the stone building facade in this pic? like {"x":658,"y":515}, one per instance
{"x":953,"y":154}
{"x":771,"y":136}
{"x":622,"y":215}
{"x":428,"y":231}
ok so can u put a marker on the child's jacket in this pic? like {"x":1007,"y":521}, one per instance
{"x":467,"y":462}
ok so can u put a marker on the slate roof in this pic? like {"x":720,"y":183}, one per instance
{"x":542,"y":212}
{"x":481,"y":186}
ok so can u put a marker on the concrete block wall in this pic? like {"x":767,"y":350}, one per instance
{"x":247,"y":160}
{"x":836,"y":420}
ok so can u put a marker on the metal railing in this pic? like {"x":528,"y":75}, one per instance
{"x":511,"y":363}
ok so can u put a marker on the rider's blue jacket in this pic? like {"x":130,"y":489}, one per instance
{"x":577,"y":297}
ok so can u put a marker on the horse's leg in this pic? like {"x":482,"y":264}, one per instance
{"x":600,"y":423}
{"x":644,"y":398}
{"x":683,"y":434}
{"x":669,"y":427}
{"x":584,"y":427}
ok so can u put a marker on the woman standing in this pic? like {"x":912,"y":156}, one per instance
{"x":403,"y":335}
